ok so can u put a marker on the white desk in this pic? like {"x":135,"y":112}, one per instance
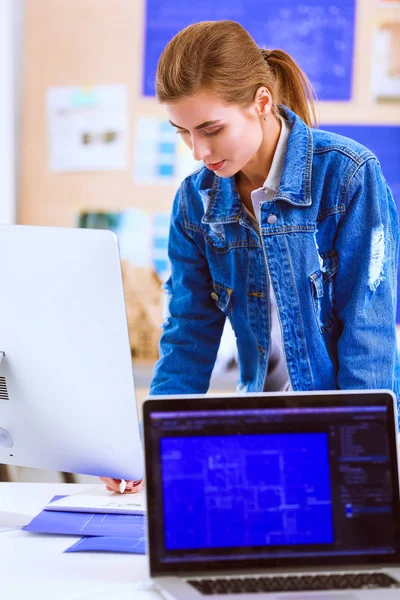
{"x":33,"y":566}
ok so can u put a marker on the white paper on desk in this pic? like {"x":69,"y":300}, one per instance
{"x":100,"y":500}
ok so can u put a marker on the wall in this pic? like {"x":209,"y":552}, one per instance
{"x":10,"y":53}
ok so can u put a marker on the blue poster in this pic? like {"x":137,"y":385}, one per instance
{"x":318,"y":34}
{"x":384,"y":142}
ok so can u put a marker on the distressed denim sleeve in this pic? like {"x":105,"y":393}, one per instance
{"x":193,"y":324}
{"x":366,"y":284}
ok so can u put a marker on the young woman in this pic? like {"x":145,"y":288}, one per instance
{"x":283,"y":220}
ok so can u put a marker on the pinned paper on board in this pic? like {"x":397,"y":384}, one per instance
{"x":87,"y":128}
{"x":385,"y":71}
{"x":160,"y":155}
{"x":159,"y":254}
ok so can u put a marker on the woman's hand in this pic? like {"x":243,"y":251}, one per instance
{"x":132,"y":487}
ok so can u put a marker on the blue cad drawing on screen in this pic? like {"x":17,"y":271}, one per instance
{"x":318,"y":34}
{"x":246,"y":490}
{"x":384,"y":142}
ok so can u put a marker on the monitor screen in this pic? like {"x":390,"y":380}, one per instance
{"x":273,"y":483}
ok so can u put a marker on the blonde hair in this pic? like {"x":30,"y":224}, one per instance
{"x":222,"y":57}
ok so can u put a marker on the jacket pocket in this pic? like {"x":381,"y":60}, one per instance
{"x":223,"y":299}
{"x":323,"y":291}
{"x":216,"y":239}
{"x":222,"y":296}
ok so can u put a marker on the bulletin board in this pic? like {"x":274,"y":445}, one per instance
{"x":98,"y":42}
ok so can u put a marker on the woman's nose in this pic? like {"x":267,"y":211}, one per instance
{"x":200,"y":149}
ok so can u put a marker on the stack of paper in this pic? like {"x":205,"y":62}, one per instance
{"x":102,"y":532}
{"x":99,"y":500}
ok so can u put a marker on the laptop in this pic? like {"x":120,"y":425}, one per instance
{"x":284,"y":496}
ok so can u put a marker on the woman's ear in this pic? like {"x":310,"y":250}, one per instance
{"x":263,"y":102}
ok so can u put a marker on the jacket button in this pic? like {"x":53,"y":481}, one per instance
{"x":272,"y":219}
{"x":214,"y":296}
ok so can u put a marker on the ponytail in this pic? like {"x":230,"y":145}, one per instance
{"x":292,"y":85}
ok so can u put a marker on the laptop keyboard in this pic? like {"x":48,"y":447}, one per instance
{"x":296,"y":583}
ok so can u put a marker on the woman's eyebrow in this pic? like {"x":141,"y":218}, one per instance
{"x":201,"y":126}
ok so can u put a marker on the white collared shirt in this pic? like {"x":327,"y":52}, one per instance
{"x":271,"y":184}
{"x":267,"y":192}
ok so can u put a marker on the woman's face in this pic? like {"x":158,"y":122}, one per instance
{"x":225,"y":137}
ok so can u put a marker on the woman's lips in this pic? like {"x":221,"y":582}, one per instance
{"x":215,"y":166}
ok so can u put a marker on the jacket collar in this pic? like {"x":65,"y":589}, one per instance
{"x":222,"y":203}
{"x":295,"y":184}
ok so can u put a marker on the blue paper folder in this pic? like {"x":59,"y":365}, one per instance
{"x":88,"y":524}
{"x":110,"y":544}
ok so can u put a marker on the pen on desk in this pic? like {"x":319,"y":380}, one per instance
{"x":122,"y":486}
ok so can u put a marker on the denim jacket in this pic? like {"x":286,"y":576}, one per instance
{"x":328,"y":245}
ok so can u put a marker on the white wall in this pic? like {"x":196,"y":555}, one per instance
{"x":11,"y":18}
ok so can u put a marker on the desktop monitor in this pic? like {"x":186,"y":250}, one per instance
{"x":67,"y":398}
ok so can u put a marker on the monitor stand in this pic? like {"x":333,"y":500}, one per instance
{"x":10,"y":520}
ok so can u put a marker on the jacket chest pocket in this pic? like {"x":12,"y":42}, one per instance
{"x":216,"y":239}
{"x":323,"y":291}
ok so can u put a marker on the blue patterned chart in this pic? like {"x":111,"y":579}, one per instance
{"x":160,"y":232}
{"x":384,"y":141}
{"x":318,"y":34}
{"x":155,"y":150}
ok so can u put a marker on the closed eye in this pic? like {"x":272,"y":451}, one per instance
{"x":213,"y":132}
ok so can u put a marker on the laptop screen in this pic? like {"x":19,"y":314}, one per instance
{"x":285,"y":483}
